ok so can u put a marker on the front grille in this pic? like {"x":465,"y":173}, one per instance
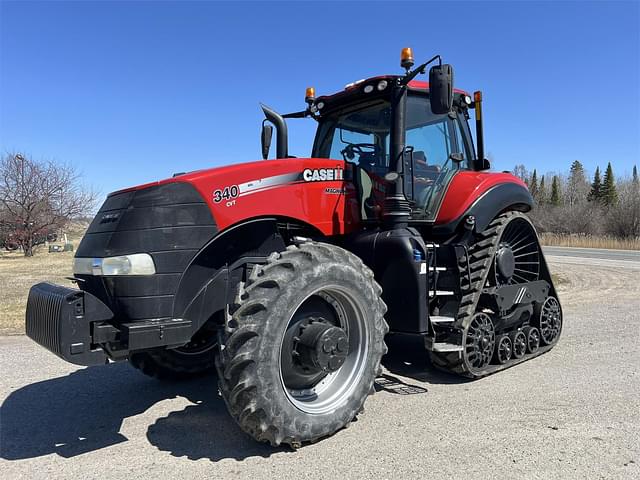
{"x":44,"y":313}
{"x":171,"y":222}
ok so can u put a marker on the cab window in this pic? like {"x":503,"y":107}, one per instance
{"x":431,"y":140}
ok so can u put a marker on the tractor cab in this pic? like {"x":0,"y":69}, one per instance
{"x":403,"y":140}
{"x":355,"y":126}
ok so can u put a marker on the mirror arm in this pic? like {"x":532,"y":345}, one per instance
{"x":301,"y":114}
{"x":421,"y":69}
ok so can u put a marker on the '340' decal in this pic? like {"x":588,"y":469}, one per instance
{"x":227,"y":193}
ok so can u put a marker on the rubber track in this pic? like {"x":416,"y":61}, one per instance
{"x":237,"y":362}
{"x":481,"y":255}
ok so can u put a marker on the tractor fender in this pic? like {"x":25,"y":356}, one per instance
{"x":500,"y":198}
{"x":208,"y":283}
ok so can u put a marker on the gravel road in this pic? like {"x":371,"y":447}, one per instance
{"x":571,"y":413}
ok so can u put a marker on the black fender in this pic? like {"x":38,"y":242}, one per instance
{"x":500,"y":198}
{"x":204,"y":287}
{"x":209,"y":282}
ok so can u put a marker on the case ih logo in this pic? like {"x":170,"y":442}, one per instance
{"x":109,"y":217}
{"x":323,"y":174}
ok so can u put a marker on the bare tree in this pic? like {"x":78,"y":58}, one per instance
{"x":39,"y":197}
{"x":521,"y":172}
{"x":623,"y":217}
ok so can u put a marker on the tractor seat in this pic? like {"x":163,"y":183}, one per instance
{"x":421,"y":167}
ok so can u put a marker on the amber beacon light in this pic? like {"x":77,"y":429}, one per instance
{"x":310,"y":95}
{"x":406,"y":58}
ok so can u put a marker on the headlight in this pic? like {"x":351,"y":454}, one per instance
{"x":136,"y":264}
{"x":83,"y":266}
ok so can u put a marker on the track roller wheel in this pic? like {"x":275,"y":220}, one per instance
{"x":303,"y":345}
{"x":549,"y":318}
{"x":519,"y":343}
{"x":533,"y":339}
{"x":504,"y":350}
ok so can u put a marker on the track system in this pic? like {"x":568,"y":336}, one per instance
{"x":492,"y":332}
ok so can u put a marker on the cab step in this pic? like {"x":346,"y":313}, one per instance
{"x":441,"y":320}
{"x":442,"y":346}
{"x":433,"y":293}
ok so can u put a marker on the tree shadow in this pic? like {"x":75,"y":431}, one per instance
{"x":84,"y":411}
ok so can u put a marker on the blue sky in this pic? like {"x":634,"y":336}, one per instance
{"x":133,"y":92}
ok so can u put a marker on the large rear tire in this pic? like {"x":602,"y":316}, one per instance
{"x":304,"y":345}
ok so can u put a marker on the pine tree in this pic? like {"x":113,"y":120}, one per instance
{"x":533,"y":184}
{"x":555,"y":191}
{"x":542,"y":192}
{"x":609,"y":194}
{"x":634,"y":177}
{"x":577,"y":187}
{"x":595,"y":195}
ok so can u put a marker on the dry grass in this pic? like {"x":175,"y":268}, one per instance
{"x":18,"y":273}
{"x":590,"y":241}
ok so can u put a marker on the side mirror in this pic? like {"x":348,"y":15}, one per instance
{"x":441,"y":88}
{"x":265,"y":140}
{"x":480,"y":164}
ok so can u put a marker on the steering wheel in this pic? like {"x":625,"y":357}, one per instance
{"x":352,"y":149}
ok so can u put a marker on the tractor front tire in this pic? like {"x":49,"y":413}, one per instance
{"x":303,"y":345}
{"x":195,"y":359}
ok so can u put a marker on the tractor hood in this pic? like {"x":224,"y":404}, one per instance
{"x":305,"y":189}
{"x":172,"y":220}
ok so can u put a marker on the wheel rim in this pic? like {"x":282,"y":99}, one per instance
{"x":533,"y":340}
{"x":311,"y":388}
{"x":519,"y":345}
{"x":517,"y":258}
{"x":550,"y":320}
{"x":480,"y":341}
{"x":504,"y":350}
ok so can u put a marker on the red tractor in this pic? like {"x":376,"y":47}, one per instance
{"x":286,"y":275}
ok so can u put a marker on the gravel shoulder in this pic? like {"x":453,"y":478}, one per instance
{"x":571,"y":413}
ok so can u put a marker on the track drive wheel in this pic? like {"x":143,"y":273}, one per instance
{"x":304,"y":345}
{"x":196,"y":358}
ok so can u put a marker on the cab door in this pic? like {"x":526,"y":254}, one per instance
{"x":430,"y":142}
